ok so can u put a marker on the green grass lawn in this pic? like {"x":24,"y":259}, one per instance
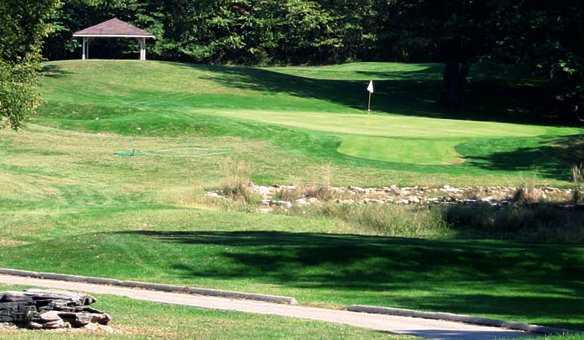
{"x":70,"y":205}
{"x":144,"y":320}
{"x":71,"y":202}
{"x":316,"y":114}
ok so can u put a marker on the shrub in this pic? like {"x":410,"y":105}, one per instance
{"x":18,"y":94}
{"x":289,"y":195}
{"x":529,"y":222}
{"x":578,"y":173}
{"x":527,"y":194}
{"x":237,"y":184}
{"x":535,"y":222}
{"x":23,"y":27}
{"x":578,"y":195}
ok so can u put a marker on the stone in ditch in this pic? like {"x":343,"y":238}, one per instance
{"x":282,"y":204}
{"x":413,"y":199}
{"x":213,"y":195}
{"x":301,"y":202}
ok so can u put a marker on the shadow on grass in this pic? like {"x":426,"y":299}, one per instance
{"x":405,"y":96}
{"x":551,"y":157}
{"x":448,"y":272}
{"x":413,"y":93}
{"x":430,"y":72}
{"x":54,"y":71}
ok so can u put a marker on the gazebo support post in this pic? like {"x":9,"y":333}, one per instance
{"x":84,"y":49}
{"x":142,"y":42}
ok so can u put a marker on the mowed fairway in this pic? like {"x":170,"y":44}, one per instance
{"x":316,"y":112}
{"x":110,"y":181}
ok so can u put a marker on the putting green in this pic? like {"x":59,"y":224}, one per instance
{"x":386,"y":125}
{"x":393,"y":138}
{"x":411,"y":151}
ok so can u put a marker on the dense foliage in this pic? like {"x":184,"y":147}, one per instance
{"x":244,"y":31}
{"x":23,"y":26}
{"x":540,"y":36}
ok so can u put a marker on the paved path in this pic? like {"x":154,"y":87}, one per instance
{"x":432,"y":329}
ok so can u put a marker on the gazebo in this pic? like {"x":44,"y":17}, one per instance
{"x":114,"y":28}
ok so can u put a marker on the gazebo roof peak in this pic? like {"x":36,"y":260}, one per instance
{"x":113,"y":28}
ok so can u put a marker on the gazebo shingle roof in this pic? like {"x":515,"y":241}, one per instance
{"x":113,"y":28}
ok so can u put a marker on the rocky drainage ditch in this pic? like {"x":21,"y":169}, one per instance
{"x":289,"y":196}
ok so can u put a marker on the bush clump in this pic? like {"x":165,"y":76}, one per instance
{"x":237,"y":184}
{"x":533,"y":222}
{"x":383,"y":219}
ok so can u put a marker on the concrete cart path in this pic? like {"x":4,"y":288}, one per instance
{"x":432,"y":329}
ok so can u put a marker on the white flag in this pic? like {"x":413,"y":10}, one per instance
{"x":370,"y":88}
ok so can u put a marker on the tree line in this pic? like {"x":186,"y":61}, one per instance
{"x":235,"y":31}
{"x":543,"y":38}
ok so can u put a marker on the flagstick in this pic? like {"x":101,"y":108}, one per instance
{"x":370,"y":89}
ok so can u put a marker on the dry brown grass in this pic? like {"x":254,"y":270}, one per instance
{"x":11,"y":243}
{"x":289,"y":195}
{"x":237,"y":184}
{"x":322,"y":193}
{"x":526,"y":194}
{"x":382,"y":219}
{"x":578,"y":173}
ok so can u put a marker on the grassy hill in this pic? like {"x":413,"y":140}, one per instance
{"x":315,"y":113}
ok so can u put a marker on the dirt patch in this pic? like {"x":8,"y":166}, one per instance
{"x":150,"y":332}
{"x":11,"y":243}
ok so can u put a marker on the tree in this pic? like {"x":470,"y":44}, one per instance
{"x":540,"y":35}
{"x":455,"y":31}
{"x":23,"y":26}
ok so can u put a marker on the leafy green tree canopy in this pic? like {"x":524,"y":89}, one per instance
{"x":23,"y":26}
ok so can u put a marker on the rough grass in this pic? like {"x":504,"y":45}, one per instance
{"x":383,"y":219}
